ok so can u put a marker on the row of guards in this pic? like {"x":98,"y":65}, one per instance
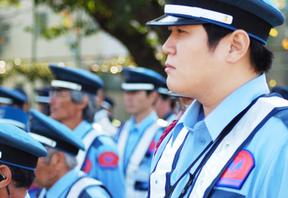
{"x":87,"y":155}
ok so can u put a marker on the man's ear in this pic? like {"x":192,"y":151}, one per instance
{"x":58,"y":161}
{"x":153,"y":97}
{"x":83,"y":103}
{"x":56,"y":158}
{"x":239,"y":43}
{"x":6,"y":176}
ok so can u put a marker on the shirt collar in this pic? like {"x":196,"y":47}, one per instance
{"x":63,"y":184}
{"x":81,"y":130}
{"x":168,"y":115}
{"x":192,"y":115}
{"x":99,"y":115}
{"x":232,"y":105}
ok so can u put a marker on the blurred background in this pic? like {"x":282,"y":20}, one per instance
{"x":99,"y":35}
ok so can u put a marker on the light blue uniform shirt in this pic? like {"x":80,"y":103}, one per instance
{"x":27,"y":195}
{"x":135,"y":133}
{"x":170,"y":117}
{"x":63,"y":185}
{"x":269,"y":147}
{"x":109,"y":172}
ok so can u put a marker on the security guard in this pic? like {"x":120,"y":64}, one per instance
{"x":103,"y":116}
{"x":11,"y":107}
{"x":56,"y":172}
{"x":12,"y":97}
{"x":165,"y":104}
{"x":73,"y":104}
{"x":138,"y":137}
{"x":19,"y":154}
{"x":25,"y":106}
{"x":43,"y":100}
{"x":232,"y":141}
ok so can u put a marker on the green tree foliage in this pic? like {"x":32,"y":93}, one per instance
{"x":4,"y":26}
{"x":4,"y":30}
{"x":125,"y":20}
{"x":30,"y":72}
{"x":5,"y":3}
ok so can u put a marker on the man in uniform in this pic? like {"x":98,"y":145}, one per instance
{"x":43,"y":100}
{"x":165,"y":104}
{"x":56,"y":173}
{"x":12,"y":104}
{"x":138,"y":137}
{"x":13,"y":97}
{"x":232,"y":141}
{"x":73,"y":104}
{"x":19,"y":154}
{"x":104,"y":116}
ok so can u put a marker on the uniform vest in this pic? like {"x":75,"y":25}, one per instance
{"x":88,"y":140}
{"x":81,"y":184}
{"x":209,"y":168}
{"x":132,"y":171}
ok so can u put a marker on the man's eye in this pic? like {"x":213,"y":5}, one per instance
{"x":181,"y":31}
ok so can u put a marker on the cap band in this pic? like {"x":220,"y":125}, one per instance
{"x":55,"y":143}
{"x":162,"y":90}
{"x":13,"y":122}
{"x":4,"y":100}
{"x":198,"y":12}
{"x":42,"y":99}
{"x":137,"y":86}
{"x":44,"y":140}
{"x":66,"y":85}
{"x":106,"y":105}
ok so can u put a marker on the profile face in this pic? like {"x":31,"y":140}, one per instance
{"x":190,"y":63}
{"x":136,"y":101}
{"x":61,"y":105}
{"x":44,"y":172}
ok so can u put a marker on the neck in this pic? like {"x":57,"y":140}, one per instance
{"x":73,"y":122}
{"x":164,"y":110}
{"x":60,"y":173}
{"x":16,"y":192}
{"x":141,"y":115}
{"x":223,"y":89}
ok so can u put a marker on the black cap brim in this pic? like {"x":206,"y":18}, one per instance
{"x":171,"y":20}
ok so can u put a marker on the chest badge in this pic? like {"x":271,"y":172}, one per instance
{"x":238,"y":171}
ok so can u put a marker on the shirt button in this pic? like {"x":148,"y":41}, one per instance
{"x":202,"y":141}
{"x":156,"y":182}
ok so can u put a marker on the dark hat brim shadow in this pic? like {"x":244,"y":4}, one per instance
{"x":171,"y":20}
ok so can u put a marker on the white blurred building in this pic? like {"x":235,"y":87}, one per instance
{"x":97,"y":46}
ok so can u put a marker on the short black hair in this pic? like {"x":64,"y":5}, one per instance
{"x":148,"y":92}
{"x":260,"y":57}
{"x":22,"y":178}
{"x":165,"y":96}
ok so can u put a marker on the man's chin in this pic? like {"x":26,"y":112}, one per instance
{"x":38,"y":183}
{"x":130,"y":110}
{"x":55,"y":116}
